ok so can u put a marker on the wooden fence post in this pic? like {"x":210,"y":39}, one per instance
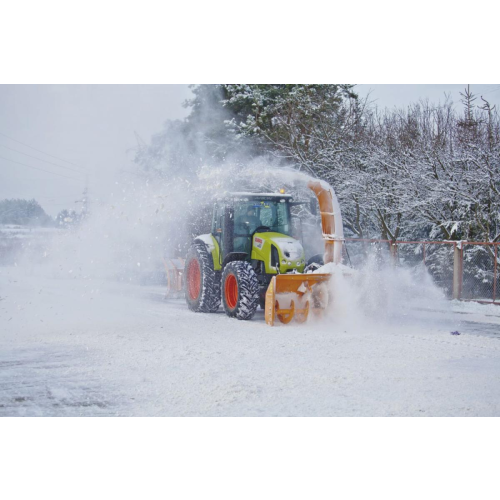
{"x":457,"y":270}
{"x":495,"y":274}
{"x":393,"y":249}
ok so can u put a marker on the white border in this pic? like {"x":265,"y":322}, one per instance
{"x":103,"y":41}
{"x":249,"y":458}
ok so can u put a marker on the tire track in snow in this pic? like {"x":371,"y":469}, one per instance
{"x":44,"y":382}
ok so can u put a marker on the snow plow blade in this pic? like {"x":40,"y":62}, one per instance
{"x":292,"y":296}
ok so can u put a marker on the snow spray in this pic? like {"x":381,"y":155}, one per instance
{"x":381,"y":293}
{"x":127,"y":238}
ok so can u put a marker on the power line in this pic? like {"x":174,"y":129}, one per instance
{"x":493,"y":90}
{"x":67,"y":204}
{"x":53,"y":198}
{"x":43,"y":152}
{"x":40,"y":159}
{"x":41,"y":169}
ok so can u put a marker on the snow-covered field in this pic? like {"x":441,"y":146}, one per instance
{"x":89,"y":347}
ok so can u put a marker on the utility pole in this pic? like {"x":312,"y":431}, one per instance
{"x":140,"y":141}
{"x":85,"y":199}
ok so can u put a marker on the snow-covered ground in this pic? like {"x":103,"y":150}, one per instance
{"x":88,"y":347}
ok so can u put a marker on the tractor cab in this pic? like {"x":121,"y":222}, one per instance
{"x":238,"y":217}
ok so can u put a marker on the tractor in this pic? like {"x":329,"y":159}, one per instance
{"x":251,"y":258}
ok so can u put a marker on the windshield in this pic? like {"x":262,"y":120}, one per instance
{"x":249,"y":215}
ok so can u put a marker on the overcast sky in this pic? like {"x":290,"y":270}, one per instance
{"x":89,"y":125}
{"x":93,"y":127}
{"x":401,"y":95}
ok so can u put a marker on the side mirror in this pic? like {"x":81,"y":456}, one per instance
{"x":312,"y":206}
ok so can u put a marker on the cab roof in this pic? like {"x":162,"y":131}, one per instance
{"x":258,"y":195}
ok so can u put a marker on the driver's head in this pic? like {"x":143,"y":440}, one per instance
{"x":250,"y":211}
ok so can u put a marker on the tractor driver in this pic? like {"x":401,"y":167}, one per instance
{"x":250,"y":221}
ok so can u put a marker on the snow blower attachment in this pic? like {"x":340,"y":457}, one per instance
{"x":250,"y":258}
{"x":291,"y":296}
{"x":301,"y":293}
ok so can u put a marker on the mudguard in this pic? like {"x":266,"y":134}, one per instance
{"x":213,"y":248}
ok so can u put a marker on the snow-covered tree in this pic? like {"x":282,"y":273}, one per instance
{"x":298,"y":123}
{"x":423,"y":172}
{"x":23,"y":212}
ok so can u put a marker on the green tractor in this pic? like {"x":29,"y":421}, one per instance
{"x":250,"y":242}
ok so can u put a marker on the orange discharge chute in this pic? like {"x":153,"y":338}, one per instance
{"x":292,"y":296}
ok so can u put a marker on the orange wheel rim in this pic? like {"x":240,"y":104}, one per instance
{"x":231,"y":291}
{"x":194,"y":279}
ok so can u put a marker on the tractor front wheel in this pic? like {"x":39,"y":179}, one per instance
{"x":240,"y":290}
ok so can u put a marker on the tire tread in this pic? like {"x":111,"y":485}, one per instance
{"x":210,"y":296}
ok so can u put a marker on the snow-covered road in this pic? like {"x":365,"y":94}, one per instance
{"x":88,"y":347}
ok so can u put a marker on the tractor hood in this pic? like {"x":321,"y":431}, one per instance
{"x":276,"y":248}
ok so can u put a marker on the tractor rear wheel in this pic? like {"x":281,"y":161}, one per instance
{"x":202,"y":282}
{"x":240,"y":290}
